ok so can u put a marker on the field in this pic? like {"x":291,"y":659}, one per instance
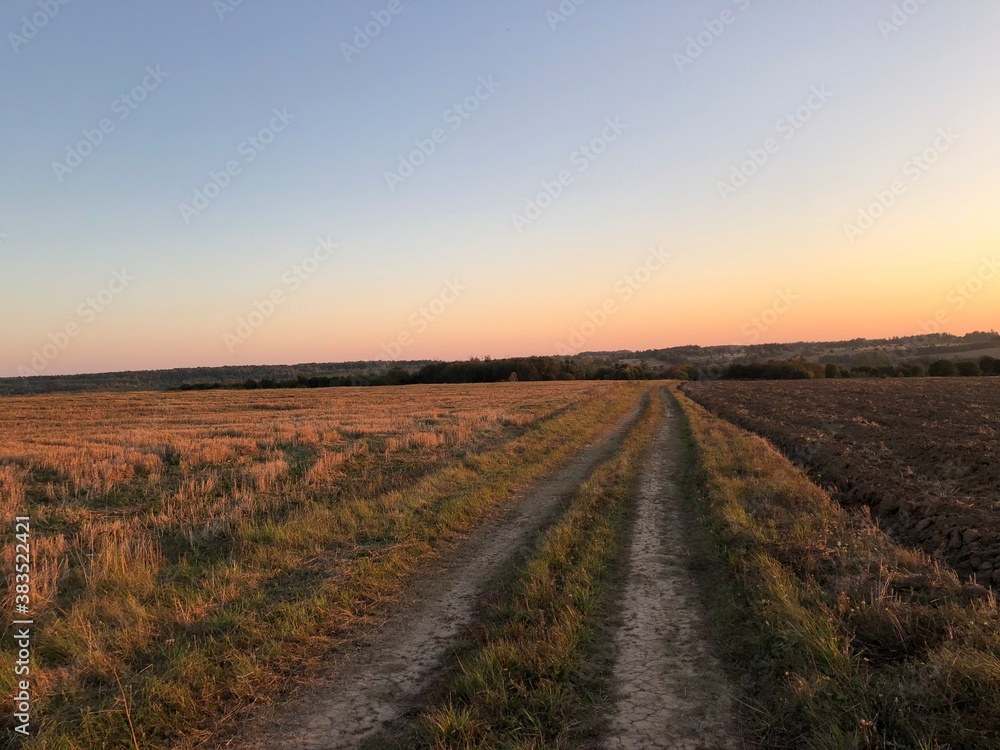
{"x":924,"y":455}
{"x":592,"y":565}
{"x":194,"y":551}
{"x":843,"y":638}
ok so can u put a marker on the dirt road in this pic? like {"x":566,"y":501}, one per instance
{"x":379,"y":681}
{"x":670,"y":690}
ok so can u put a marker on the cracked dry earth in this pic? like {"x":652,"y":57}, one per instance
{"x":382,"y":679}
{"x":671,"y":691}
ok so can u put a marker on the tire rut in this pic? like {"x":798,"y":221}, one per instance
{"x":376,"y":683}
{"x":670,"y":690}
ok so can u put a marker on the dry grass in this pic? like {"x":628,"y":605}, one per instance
{"x":843,"y":638}
{"x":202,"y":548}
{"x":521,"y":683}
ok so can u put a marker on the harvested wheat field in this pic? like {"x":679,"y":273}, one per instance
{"x":348,"y":568}
{"x":195,"y":554}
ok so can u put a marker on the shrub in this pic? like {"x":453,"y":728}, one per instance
{"x":944,"y":368}
{"x":990,"y":365}
{"x":969,"y":369}
{"x":773,"y":370}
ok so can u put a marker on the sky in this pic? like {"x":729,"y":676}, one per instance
{"x":202,"y":183}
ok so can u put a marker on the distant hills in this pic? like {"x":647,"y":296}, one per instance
{"x":921,"y":350}
{"x":162,"y":380}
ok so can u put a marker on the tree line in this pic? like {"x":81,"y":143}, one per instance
{"x":475,"y":370}
{"x":540,"y":368}
{"x":802,"y":370}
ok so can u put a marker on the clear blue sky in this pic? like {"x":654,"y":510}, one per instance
{"x":64,"y":233}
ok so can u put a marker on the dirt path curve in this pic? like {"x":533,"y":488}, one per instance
{"x":379,"y":681}
{"x":670,"y":690}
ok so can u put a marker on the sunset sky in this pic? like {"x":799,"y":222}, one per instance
{"x":381,"y":193}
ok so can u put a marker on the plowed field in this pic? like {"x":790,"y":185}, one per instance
{"x":924,"y":455}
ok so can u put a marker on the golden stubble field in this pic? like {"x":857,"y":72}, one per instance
{"x":190,"y":549}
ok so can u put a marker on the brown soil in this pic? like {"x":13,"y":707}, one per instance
{"x":670,"y":689}
{"x":923,"y":455}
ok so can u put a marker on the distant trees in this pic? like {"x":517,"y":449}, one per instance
{"x":551,"y":368}
{"x":800,"y":370}
{"x":943,"y":368}
{"x":517,"y":369}
{"x":682,"y":372}
{"x":887,"y":371}
{"x":969,"y":369}
{"x":966,"y":368}
{"x":712,"y":372}
{"x":772,"y":370}
{"x":396,"y":376}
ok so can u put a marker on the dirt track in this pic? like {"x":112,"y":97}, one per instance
{"x":379,"y":681}
{"x":670,"y":690}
